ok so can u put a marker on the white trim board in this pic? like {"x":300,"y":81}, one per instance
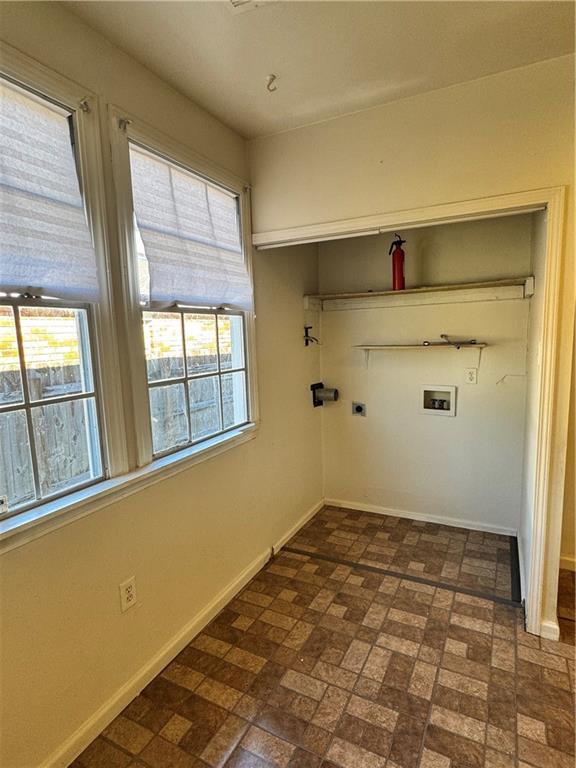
{"x":445,"y":213}
{"x":503,"y":290}
{"x":473,"y":525}
{"x":549,"y":630}
{"x":103,"y":716}
{"x":568,"y":562}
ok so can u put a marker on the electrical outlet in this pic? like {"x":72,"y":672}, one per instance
{"x":128,"y":594}
{"x":3,"y":505}
{"x":470,"y":375}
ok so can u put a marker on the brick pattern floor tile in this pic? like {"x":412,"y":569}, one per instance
{"x":444,"y":554}
{"x":567,"y":606}
{"x":316,"y":664}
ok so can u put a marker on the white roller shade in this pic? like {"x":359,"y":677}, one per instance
{"x":45,"y":241}
{"x":191,"y":235}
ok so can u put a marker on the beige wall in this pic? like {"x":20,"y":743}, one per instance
{"x":467,"y":469}
{"x":452,"y":253}
{"x":66,"y":648}
{"x":504,"y":133}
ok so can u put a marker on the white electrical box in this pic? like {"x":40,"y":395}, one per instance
{"x":438,"y":400}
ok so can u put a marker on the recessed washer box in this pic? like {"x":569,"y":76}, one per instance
{"x":438,"y":400}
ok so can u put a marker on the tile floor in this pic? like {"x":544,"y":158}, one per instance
{"x":567,"y":605}
{"x":317,"y":663}
{"x":440,"y":553}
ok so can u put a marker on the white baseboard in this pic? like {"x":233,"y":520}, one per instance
{"x":301,"y":522}
{"x":88,"y":731}
{"x":104,"y":715}
{"x":475,"y":525}
{"x":549,"y":630}
{"x":568,"y":562}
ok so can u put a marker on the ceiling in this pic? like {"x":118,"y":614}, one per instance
{"x":330,"y":58}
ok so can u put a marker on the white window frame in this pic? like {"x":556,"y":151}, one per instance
{"x":103,"y":161}
{"x":27,"y":405}
{"x":123,"y":130}
{"x":84,"y":108}
{"x":186,"y":378}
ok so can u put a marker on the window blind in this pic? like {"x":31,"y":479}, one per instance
{"x":45,"y":241}
{"x":190,"y":231}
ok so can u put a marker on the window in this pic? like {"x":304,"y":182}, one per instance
{"x":196,"y":375}
{"x":179,"y":289}
{"x":49,"y":406}
{"x":195,"y":291}
{"x":49,"y":436}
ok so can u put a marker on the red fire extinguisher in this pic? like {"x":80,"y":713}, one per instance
{"x":397,"y":263}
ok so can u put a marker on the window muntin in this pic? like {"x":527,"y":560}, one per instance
{"x":11,"y":391}
{"x":163,"y":346}
{"x":49,"y":431}
{"x":170,"y":424}
{"x":210,"y":397}
{"x":56,"y":352}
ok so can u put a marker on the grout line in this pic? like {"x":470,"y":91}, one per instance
{"x":491,"y":685}
{"x":436,"y":677}
{"x":135,"y":757}
{"x":407,"y":577}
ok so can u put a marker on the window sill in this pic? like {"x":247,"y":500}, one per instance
{"x":27,"y":526}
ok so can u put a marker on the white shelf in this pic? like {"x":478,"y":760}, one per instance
{"x":494,"y":290}
{"x":369,"y":348}
{"x":432,"y":345}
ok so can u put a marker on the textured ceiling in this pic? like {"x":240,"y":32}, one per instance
{"x":330,"y":58}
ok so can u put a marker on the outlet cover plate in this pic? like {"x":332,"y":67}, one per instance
{"x":471,"y":375}
{"x":127,"y":594}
